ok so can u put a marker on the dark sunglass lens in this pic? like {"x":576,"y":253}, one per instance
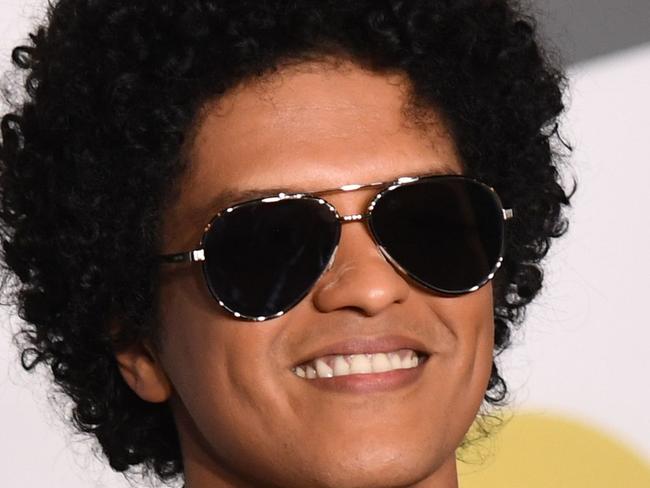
{"x":262,"y":258}
{"x":445,"y":232}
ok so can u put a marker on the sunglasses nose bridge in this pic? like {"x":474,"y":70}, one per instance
{"x":362,"y":217}
{"x":353,"y":217}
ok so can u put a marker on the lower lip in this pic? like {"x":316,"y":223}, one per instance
{"x":370,"y":382}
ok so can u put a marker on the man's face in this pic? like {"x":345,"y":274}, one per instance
{"x":244,"y":416}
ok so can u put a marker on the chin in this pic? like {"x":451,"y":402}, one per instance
{"x":367,"y":465}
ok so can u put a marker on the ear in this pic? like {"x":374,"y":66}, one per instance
{"x":143,"y":372}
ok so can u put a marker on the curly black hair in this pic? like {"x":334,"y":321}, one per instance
{"x":112,"y":91}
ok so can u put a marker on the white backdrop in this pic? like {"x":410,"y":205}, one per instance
{"x":584,"y":350}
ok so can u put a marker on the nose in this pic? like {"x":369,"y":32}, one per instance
{"x":360,"y":277}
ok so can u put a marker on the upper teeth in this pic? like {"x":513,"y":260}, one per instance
{"x":339,"y":365}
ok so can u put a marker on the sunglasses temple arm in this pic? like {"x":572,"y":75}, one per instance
{"x":194,"y":256}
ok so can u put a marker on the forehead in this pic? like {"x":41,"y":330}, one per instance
{"x":310,"y":127}
{"x":311,"y":117}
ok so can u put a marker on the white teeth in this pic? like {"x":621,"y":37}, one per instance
{"x":343,"y":365}
{"x":360,"y":364}
{"x":323,"y":370}
{"x":407,"y":361}
{"x":311,"y":373}
{"x":395,"y":361}
{"x":414,"y":360}
{"x":380,"y":363}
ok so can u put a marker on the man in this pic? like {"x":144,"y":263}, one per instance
{"x":279,"y":244}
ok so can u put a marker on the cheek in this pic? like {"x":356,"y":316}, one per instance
{"x":468,"y":352}
{"x":226,"y":373}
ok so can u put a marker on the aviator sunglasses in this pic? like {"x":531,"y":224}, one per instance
{"x":261,"y":257}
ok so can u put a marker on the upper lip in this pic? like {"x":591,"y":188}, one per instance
{"x":369,"y":345}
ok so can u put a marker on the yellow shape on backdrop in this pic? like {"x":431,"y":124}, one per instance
{"x":543,"y":451}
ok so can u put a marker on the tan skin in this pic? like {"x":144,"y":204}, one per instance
{"x":244,"y":418}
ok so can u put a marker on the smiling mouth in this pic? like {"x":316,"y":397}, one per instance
{"x":337,"y":365}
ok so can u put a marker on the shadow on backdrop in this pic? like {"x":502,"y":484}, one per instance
{"x":584,"y":29}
